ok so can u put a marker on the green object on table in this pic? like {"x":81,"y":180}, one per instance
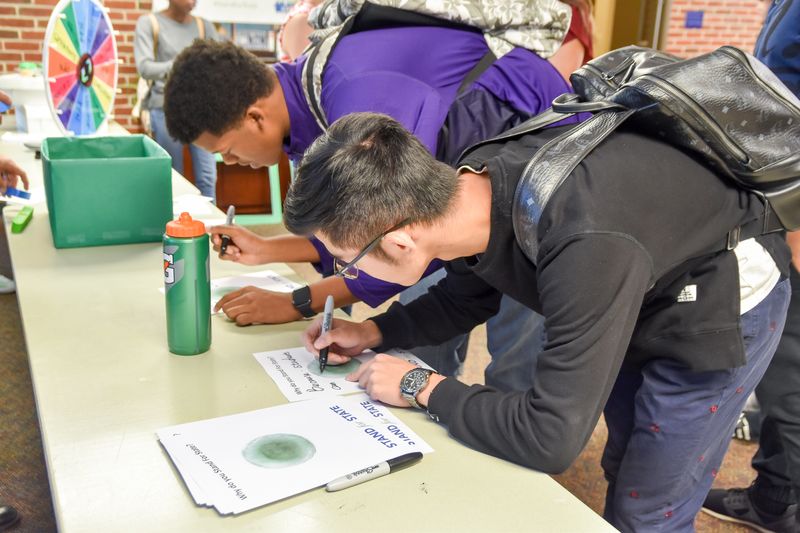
{"x":21,"y":219}
{"x":187,"y":286}
{"x":106,"y":190}
{"x":29,"y":67}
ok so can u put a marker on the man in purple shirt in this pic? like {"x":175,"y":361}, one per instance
{"x":222,"y":99}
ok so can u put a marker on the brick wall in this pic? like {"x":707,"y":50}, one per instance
{"x":22,"y":27}
{"x":733,"y":22}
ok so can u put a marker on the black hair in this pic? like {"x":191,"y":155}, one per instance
{"x":210,"y":87}
{"x":364,"y":175}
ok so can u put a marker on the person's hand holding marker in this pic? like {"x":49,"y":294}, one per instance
{"x":345,"y":339}
{"x":243,"y":246}
{"x":225,"y":240}
{"x":381,"y":376}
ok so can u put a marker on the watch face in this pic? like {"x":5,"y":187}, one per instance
{"x":414,"y":380}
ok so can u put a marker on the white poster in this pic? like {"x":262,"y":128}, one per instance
{"x":296,"y":372}
{"x":241,"y":11}
{"x":240,"y":462}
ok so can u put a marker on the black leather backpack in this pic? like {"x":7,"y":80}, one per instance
{"x":725,"y":106}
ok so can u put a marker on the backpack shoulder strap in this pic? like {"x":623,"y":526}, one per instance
{"x":547,"y":170}
{"x":371,"y":17}
{"x":317,"y":58}
{"x":201,"y":27}
{"x":154,"y":24}
{"x":480,"y":67}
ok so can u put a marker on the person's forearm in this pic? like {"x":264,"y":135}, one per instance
{"x":292,"y":249}
{"x":154,"y":70}
{"x":330,"y":286}
{"x":146,"y":64}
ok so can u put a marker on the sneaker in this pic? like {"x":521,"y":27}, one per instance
{"x":7,"y":286}
{"x":747,"y":427}
{"x":734,"y":505}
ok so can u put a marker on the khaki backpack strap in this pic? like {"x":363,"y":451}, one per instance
{"x":154,"y":24}
{"x":201,"y":27}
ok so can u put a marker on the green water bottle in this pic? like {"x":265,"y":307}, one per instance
{"x":187,"y":282}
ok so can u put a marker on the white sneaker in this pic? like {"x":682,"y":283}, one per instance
{"x":7,"y":286}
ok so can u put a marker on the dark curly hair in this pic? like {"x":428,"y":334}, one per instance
{"x":210,"y":87}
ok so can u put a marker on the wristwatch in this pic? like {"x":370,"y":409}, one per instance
{"x":414,"y":381}
{"x":301,"y":300}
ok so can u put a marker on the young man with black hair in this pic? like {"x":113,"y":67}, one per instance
{"x":650,"y":319}
{"x":223,"y":99}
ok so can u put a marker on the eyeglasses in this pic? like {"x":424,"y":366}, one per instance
{"x":350,"y":270}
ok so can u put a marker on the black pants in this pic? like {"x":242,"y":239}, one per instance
{"x":778,"y":458}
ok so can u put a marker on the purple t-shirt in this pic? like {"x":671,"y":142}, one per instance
{"x":411,"y":74}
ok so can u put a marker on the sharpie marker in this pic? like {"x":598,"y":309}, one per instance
{"x":327,"y":319}
{"x":226,"y":240}
{"x":372,"y":472}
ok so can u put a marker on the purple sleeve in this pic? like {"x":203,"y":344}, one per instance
{"x":374,"y":292}
{"x":524,"y":80}
{"x":325,"y":265}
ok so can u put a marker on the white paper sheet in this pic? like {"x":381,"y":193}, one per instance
{"x":240,"y":462}
{"x":296,"y":372}
{"x":265,"y":279}
{"x":193,"y":204}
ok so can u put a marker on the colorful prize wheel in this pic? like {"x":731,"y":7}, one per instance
{"x":80,"y":62}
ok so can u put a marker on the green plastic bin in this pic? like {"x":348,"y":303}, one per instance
{"x":106,"y":190}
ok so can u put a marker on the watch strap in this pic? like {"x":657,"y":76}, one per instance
{"x":413,"y":401}
{"x":301,"y":300}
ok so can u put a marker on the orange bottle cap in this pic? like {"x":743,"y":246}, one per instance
{"x":185,"y":226}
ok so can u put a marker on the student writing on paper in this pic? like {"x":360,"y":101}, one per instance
{"x":645,"y":318}
{"x":410,"y":73}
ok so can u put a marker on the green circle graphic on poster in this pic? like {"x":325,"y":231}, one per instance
{"x":80,"y":65}
{"x":279,"y":450}
{"x":334,"y":370}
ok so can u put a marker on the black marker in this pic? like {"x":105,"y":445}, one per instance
{"x":371,"y":472}
{"x":225,"y":239}
{"x":327,"y":319}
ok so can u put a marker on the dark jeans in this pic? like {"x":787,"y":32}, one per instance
{"x":778,"y":458}
{"x":669,"y":427}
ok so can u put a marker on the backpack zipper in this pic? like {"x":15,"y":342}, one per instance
{"x":609,"y":78}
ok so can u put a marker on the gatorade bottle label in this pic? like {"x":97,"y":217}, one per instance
{"x":173,"y":270}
